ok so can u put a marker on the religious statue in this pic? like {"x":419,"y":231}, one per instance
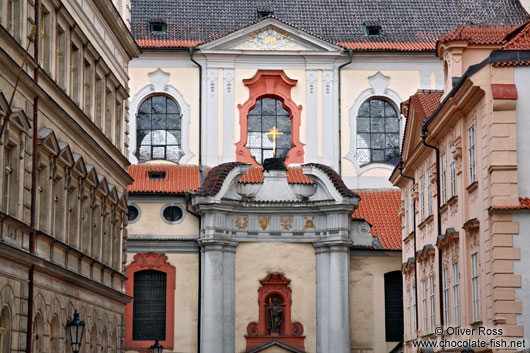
{"x":275,"y":316}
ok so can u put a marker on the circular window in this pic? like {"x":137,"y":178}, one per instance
{"x":172,"y":214}
{"x":133,"y":213}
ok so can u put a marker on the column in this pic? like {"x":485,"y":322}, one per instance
{"x":333,"y":297}
{"x":339,"y":298}
{"x":218,"y":294}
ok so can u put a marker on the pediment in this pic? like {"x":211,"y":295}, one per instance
{"x":274,"y":347}
{"x":122,"y":204}
{"x":270,"y":34}
{"x":103,"y":186}
{"x":19,"y":119}
{"x":91,"y":178}
{"x":412,"y":133}
{"x":113,"y":194}
{"x":79,"y":167}
{"x":48,"y":142}
{"x":65,"y":155}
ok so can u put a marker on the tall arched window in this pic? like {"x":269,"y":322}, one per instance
{"x":377,"y":133}
{"x":267,"y":113}
{"x":37,"y":336}
{"x":5,"y":330}
{"x":158,"y":130}
{"x":149,"y":305}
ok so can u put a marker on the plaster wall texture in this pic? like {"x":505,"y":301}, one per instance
{"x":521,"y":266}
{"x":367,"y":300}
{"x":522,"y":80}
{"x":297,"y":262}
{"x":151,"y":223}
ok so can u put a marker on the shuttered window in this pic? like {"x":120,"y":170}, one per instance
{"x":149,"y":306}
{"x":394,"y":306}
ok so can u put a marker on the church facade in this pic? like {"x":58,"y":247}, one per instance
{"x":236,"y":258}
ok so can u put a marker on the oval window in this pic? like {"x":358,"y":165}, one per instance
{"x":132,"y":213}
{"x":172,"y":213}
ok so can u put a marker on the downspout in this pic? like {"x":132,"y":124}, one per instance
{"x":401,"y":167}
{"x":187,"y":197}
{"x":192,"y":49}
{"x":31,"y":283}
{"x":350,"y":56}
{"x":440,"y":281}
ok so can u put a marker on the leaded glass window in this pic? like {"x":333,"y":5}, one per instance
{"x":377,"y":133}
{"x":158,"y":130}
{"x":267,"y":113}
{"x":149,"y":306}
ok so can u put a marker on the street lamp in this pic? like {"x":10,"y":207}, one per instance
{"x":76,"y":328}
{"x":157,"y":347}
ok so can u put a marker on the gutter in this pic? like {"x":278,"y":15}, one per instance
{"x":350,"y":55}
{"x":187,"y":197}
{"x":401,"y":167}
{"x":438,"y":221}
{"x":191,"y":50}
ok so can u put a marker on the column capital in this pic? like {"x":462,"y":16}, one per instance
{"x":323,"y":246}
{"x":224,"y":245}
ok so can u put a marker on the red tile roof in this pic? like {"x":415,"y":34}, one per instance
{"x":294,"y":176}
{"x":524,"y":204}
{"x":178,"y":179}
{"x":380,"y":208}
{"x":399,"y":46}
{"x":425,"y":102}
{"x":519,"y":39}
{"x":479,"y":35}
{"x":166,"y":43}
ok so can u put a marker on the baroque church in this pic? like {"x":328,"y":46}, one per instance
{"x":262,"y":135}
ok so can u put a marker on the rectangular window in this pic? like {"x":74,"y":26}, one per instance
{"x":431,"y":300}
{"x":11,"y":180}
{"x":456,"y":296}
{"x":88,"y":77}
{"x":75,"y":73}
{"x":446,"y":294}
{"x":118,"y":123}
{"x":424,"y":305}
{"x":407,"y":215}
{"x":472,"y":162}
{"x":14,"y":11}
{"x":475,"y":295}
{"x":422,"y":199}
{"x":109,"y":112}
{"x":409,"y":321}
{"x":443,"y":179}
{"x":429,"y":192}
{"x":149,"y":305}
{"x":453,"y":173}
{"x":45,"y":36}
{"x":393,"y":306}
{"x":98,"y":110}
{"x":60,"y":58}
{"x":414,"y":310}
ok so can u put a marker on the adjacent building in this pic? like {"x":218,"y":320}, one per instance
{"x":63,"y":174}
{"x":463,"y":177}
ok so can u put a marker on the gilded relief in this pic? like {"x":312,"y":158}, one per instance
{"x":264,"y":222}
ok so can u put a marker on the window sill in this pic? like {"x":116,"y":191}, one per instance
{"x":476,"y":323}
{"x":409,"y":236}
{"x":452,"y":200}
{"x":426,"y":221}
{"x":444,"y":207}
{"x":472,"y":187}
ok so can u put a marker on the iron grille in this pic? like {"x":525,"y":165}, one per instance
{"x":149,"y":306}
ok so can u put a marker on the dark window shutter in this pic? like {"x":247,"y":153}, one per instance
{"x":149,"y":306}
{"x":394,"y":306}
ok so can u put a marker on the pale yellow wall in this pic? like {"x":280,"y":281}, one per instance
{"x":186,"y":81}
{"x":354,"y":82}
{"x":254,"y":261}
{"x":240,"y":95}
{"x":186,"y":300}
{"x":150,"y":221}
{"x":367,"y":301}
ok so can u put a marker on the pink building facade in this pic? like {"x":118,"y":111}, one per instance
{"x":465,"y":181}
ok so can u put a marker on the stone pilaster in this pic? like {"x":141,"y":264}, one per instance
{"x":217,"y":300}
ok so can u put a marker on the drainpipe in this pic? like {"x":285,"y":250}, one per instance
{"x":440,"y":282}
{"x":192,"y":49}
{"x":350,"y":56}
{"x":401,"y":167}
{"x":187,"y":197}
{"x":31,"y":284}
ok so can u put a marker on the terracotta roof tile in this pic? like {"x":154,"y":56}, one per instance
{"x":178,"y":179}
{"x":519,"y":39}
{"x":215,"y":178}
{"x":512,"y":63}
{"x":406,"y":25}
{"x":524,"y":204}
{"x":425,"y":102}
{"x":479,"y":35}
{"x":294,"y":176}
{"x":335,"y":179}
{"x":165,"y":43}
{"x":380,"y":208}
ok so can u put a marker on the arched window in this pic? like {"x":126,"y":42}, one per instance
{"x":267,"y":113}
{"x":5,"y":330}
{"x":149,"y":305}
{"x":377,"y":133}
{"x":54,"y":335}
{"x":158,"y":130}
{"x":37,"y":336}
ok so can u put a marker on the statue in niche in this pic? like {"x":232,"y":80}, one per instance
{"x":275,"y":316}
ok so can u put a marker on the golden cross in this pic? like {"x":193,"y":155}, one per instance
{"x":274,"y":133}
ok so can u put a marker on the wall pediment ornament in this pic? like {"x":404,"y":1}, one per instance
{"x":270,"y":38}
